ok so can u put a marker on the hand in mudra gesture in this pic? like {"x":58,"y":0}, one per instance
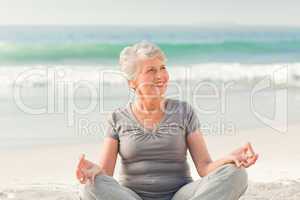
{"x":243,"y":156}
{"x":87,"y":170}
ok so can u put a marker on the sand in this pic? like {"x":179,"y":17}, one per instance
{"x":282,"y":190}
{"x":48,"y":172}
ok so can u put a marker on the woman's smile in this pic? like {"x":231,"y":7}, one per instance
{"x":160,"y":84}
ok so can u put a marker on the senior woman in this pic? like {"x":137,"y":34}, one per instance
{"x":152,"y":135}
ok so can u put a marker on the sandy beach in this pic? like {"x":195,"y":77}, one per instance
{"x":284,"y":190}
{"x":48,"y":172}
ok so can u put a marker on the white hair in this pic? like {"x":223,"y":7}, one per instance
{"x":130,"y":55}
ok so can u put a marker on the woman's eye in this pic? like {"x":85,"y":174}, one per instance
{"x":151,"y":70}
{"x":163,"y":67}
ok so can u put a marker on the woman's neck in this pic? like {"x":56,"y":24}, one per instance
{"x":149,"y":106}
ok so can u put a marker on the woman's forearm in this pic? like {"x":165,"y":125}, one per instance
{"x":213,"y":165}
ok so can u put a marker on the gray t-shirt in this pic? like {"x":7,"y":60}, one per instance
{"x":153,"y":162}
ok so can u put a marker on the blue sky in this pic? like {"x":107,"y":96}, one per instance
{"x":150,"y":12}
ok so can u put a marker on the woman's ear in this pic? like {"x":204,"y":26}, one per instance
{"x":132,"y":84}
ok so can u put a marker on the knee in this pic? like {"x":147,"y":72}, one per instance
{"x":237,"y":176}
{"x":91,"y":188}
{"x":100,"y":182}
{"x":87,"y":192}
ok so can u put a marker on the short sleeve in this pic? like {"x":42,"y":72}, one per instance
{"x":110,"y":128}
{"x":192,"y":120}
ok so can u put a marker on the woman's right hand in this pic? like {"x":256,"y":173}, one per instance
{"x":87,"y":170}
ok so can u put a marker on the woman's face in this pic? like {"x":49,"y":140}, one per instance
{"x":152,"y":79}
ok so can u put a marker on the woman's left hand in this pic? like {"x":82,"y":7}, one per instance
{"x":243,"y":156}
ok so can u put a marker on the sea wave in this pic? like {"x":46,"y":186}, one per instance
{"x":244,"y":75}
{"x":96,"y":52}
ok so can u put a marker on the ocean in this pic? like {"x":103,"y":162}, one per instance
{"x":183,"y":45}
{"x":214,"y":53}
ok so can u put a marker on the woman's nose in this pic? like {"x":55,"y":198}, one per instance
{"x":158,"y":75}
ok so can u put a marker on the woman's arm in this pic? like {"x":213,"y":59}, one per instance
{"x":109,"y":154}
{"x":203,"y":161}
{"x":199,"y":153}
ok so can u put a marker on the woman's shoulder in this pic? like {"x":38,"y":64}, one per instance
{"x":179,"y":105}
{"x":118,"y":113}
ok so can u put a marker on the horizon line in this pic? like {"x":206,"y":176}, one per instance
{"x":205,"y":25}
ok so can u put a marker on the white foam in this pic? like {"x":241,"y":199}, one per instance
{"x":243,"y":74}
